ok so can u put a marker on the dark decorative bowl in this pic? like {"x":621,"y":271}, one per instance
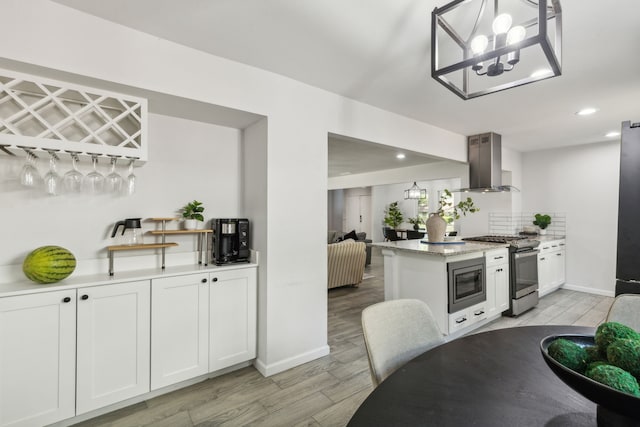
{"x":609,"y":400}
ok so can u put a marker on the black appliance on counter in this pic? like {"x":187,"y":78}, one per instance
{"x":230,"y":240}
{"x":523,"y":270}
{"x":627,"y":265}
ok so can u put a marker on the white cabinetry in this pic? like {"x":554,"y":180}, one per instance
{"x":113,"y":344}
{"x":551,"y":266}
{"x":497,"y":273}
{"x":46,"y":377}
{"x":37,"y":358}
{"x":68,"y":352}
{"x":202,"y":323}
{"x":179,"y":328}
{"x":232,"y":317}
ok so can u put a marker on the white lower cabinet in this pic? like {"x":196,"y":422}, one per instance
{"x":37,"y":358}
{"x":113,"y":344}
{"x":179,"y":328}
{"x":497,"y":274}
{"x":65,"y":353}
{"x":551,"y":266}
{"x":201,"y":323}
{"x":232,"y":318}
{"x":68,"y":352}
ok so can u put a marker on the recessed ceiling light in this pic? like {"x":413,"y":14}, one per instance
{"x":587,"y":111}
{"x":400,"y":156}
{"x":612,"y":134}
{"x":542,"y":72}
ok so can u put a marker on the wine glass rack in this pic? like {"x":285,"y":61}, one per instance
{"x":38,"y":114}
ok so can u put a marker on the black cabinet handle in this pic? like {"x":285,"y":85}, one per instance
{"x":478,"y":313}
{"x":558,"y":254}
{"x":204,"y":280}
{"x":498,"y":257}
{"x":542,"y":259}
{"x":84,"y":297}
{"x":460,"y":320}
{"x":215,"y":279}
{"x":66,"y":299}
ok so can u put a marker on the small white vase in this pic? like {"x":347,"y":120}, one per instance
{"x":542,"y":231}
{"x":190,"y":224}
{"x":436,"y":227}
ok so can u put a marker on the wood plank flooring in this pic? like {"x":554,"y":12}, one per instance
{"x":326,"y":391}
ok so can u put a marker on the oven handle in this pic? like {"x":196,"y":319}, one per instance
{"x":525,"y":254}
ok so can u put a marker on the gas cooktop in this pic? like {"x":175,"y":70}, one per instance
{"x":517,"y":243}
{"x":495,"y":238}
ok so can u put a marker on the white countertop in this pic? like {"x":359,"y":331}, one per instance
{"x":72,"y":282}
{"x":440,"y":249}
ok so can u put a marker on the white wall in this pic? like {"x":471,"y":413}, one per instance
{"x":583,"y":182}
{"x":186,"y":159}
{"x":293,"y":311}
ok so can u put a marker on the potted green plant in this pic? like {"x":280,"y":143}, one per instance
{"x":192,"y":213}
{"x":446,"y":213}
{"x":542,"y":221}
{"x":393,"y":216}
{"x":416,"y":221}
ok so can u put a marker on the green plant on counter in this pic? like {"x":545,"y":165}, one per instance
{"x":416,"y":221}
{"x":542,"y":221}
{"x":193,"y":210}
{"x":450,"y":211}
{"x":393,"y":216}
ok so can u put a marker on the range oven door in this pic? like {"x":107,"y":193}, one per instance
{"x":524,"y":273}
{"x":466,"y":283}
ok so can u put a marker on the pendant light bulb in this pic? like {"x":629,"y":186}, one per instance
{"x":502,"y":23}
{"x":516,"y":34}
{"x":479,"y":44}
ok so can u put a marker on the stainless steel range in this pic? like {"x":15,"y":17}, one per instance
{"x":523,"y":267}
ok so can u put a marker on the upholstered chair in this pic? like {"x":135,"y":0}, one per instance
{"x":626,"y":310}
{"x":395,"y":332}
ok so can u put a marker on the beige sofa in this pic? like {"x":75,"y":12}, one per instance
{"x":346,"y":263}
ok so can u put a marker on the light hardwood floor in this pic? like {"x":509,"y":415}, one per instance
{"x":326,"y":391}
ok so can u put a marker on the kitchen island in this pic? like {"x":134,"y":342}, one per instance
{"x":413,"y":269}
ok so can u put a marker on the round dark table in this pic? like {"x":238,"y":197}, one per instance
{"x":495,"y":378}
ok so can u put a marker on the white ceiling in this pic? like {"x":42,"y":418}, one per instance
{"x":378,"y":52}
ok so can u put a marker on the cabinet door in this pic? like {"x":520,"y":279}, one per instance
{"x":113,"y":344}
{"x":502,"y":288}
{"x":558,"y":267}
{"x":232,"y":317}
{"x":545,"y":272}
{"x":179,"y":328}
{"x":491,"y":275}
{"x":37,"y":358}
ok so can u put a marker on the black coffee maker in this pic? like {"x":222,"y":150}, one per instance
{"x":230,"y":240}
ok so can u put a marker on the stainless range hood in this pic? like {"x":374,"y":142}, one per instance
{"x":485,"y":164}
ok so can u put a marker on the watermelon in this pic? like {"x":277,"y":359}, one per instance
{"x":49,"y":264}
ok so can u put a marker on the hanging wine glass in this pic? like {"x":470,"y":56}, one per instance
{"x":113,"y":180}
{"x":72,"y":180}
{"x":130,"y":185}
{"x":93,"y":182}
{"x":29,"y":175}
{"x":52,"y":179}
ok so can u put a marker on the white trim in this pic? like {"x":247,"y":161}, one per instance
{"x":589,"y":290}
{"x":290,"y":362}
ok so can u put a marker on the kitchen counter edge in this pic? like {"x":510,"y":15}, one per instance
{"x":25,"y":287}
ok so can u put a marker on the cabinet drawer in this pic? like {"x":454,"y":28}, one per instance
{"x":467,"y":317}
{"x":496,"y":257}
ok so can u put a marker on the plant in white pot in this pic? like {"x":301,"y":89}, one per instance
{"x":542,"y":221}
{"x":446,"y":213}
{"x":192,"y":213}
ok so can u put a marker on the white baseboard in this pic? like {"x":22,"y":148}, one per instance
{"x":595,"y":291}
{"x":291,"y":362}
